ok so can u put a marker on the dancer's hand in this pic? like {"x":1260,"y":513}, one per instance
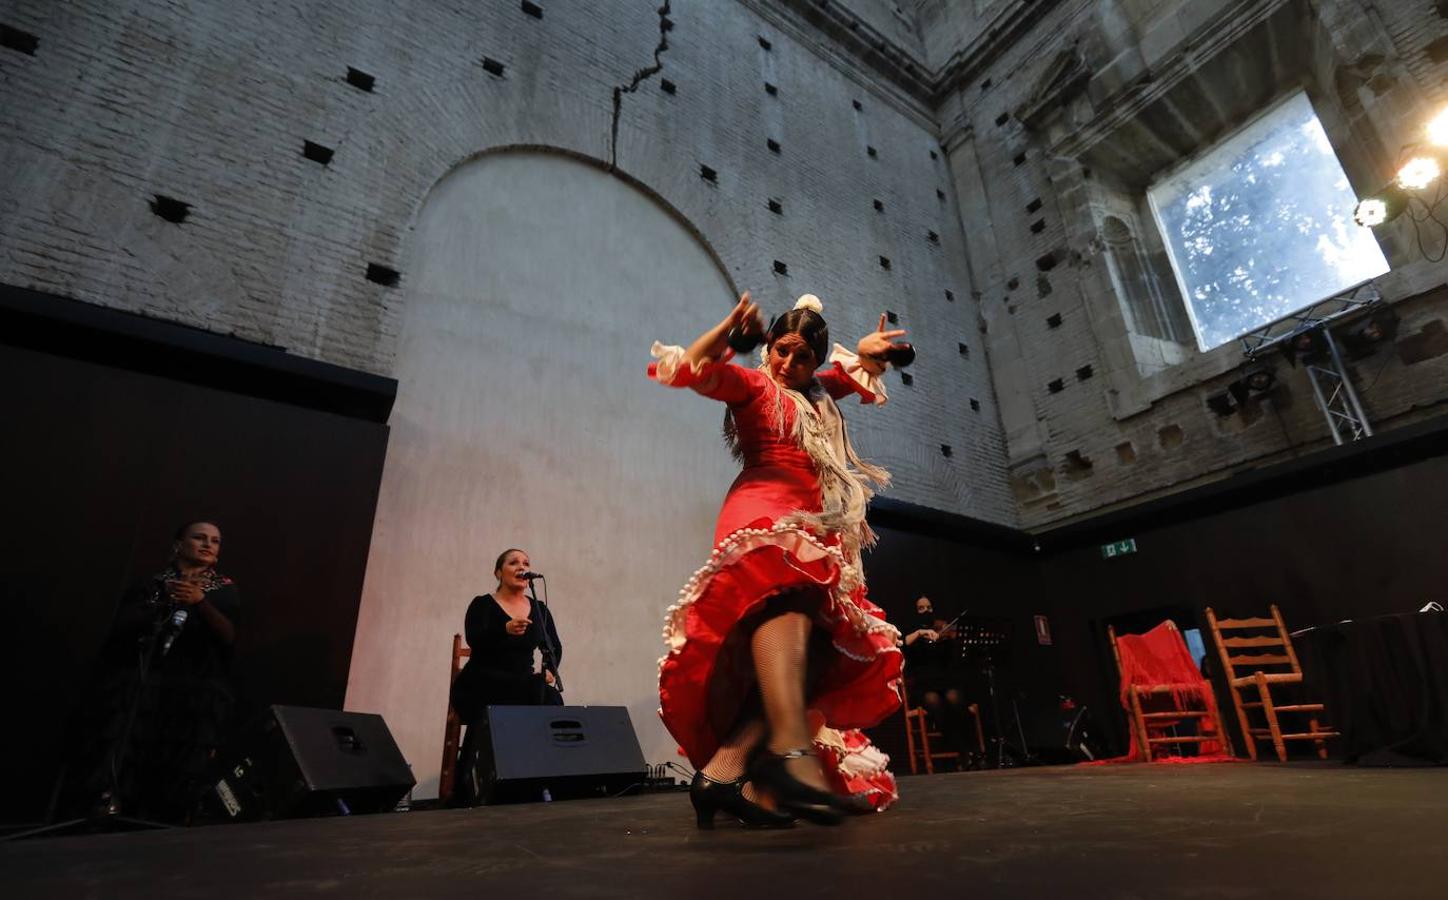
{"x":873,"y":346}
{"x":712,"y":344}
{"x":745,"y":316}
{"x":517,"y":627}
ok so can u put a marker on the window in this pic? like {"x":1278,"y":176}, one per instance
{"x":1261,"y":226}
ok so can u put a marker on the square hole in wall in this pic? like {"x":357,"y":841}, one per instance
{"x":1038,"y":226}
{"x":1053,"y":320}
{"x":857,"y":105}
{"x":317,"y":153}
{"x":1056,"y":385}
{"x":907,"y":379}
{"x":1002,"y":119}
{"x":532,"y":9}
{"x":360,"y":80}
{"x":885,"y":263}
{"x":939,"y":194}
{"x":668,"y":87}
{"x":871,"y":152}
{"x":1019,"y":158}
{"x":20,"y":41}
{"x":945,"y":451}
{"x":974,"y":405}
{"x":493,"y":67}
{"x":964,"y":350}
{"x":1033,"y":205}
{"x":776,"y":207}
{"x":383,"y":275}
{"x":708,"y":174}
{"x":879,"y":205}
{"x":764,"y":42}
{"x":169,"y":208}
{"x":773,"y":145}
{"x":891,"y":317}
{"x":771,"y":90}
{"x":932,"y":237}
{"x":950,"y":296}
{"x":934,"y":155}
{"x":780,"y":268}
{"x":1084,"y":373}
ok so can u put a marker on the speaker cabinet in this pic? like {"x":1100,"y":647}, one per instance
{"x":296,"y":761}
{"x":569,"y":752}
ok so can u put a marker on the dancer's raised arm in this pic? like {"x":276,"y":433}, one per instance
{"x":699,"y":366}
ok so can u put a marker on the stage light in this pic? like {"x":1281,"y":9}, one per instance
{"x":1260,"y":380}
{"x":1221,"y":404}
{"x":1363,"y":338}
{"x":1310,"y":347}
{"x":1384,"y":206}
{"x":1370,"y":212}
{"x":1438,"y":129}
{"x":1257,"y":380}
{"x":1418,"y":172}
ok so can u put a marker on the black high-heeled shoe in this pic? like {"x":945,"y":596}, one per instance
{"x":820,"y":807}
{"x":710,"y":797}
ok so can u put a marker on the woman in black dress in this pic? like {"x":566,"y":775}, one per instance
{"x":504,"y":630}
{"x":169,"y":652}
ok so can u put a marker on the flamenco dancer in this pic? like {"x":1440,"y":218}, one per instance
{"x":772,"y":644}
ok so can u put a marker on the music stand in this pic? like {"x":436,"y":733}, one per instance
{"x":985,"y":643}
{"x":110,"y":817}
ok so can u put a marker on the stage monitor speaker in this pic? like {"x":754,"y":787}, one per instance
{"x":569,"y":752}
{"x":296,"y":761}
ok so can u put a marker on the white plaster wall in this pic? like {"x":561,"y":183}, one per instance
{"x":538,"y":282}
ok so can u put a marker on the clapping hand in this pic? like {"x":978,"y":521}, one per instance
{"x":186,"y":593}
{"x":517,"y":627}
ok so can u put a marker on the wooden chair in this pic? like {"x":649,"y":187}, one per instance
{"x":918,"y":735}
{"x":1263,"y":671}
{"x":453,"y":726}
{"x":1156,"y":727}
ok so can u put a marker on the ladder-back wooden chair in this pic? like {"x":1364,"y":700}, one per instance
{"x":1275,"y":664}
{"x":1165,"y":677}
{"x":453,"y":726}
{"x":919,"y":734}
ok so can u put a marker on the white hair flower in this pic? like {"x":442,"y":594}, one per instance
{"x":810,"y":302}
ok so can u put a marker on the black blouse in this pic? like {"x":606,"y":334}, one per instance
{"x":197,"y":649}
{"x":499,"y":671}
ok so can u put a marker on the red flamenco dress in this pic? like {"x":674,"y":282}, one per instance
{"x":792,"y":523}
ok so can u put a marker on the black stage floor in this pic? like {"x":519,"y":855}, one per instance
{"x":1231,"y":830}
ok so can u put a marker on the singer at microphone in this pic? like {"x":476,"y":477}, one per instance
{"x":514,"y":655}
{"x":170,"y":648}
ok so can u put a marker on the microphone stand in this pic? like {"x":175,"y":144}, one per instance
{"x":109,"y":816}
{"x":550,"y":661}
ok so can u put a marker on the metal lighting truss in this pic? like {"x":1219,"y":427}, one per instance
{"x":1330,"y":383}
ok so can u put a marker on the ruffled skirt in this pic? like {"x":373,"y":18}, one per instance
{"x":707,"y":679}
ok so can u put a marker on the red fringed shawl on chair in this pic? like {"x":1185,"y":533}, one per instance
{"x":1159,"y":662}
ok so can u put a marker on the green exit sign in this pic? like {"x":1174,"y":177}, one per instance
{"x":1120,"y":548}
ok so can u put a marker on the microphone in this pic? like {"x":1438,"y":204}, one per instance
{"x":531,"y":576}
{"x":173,"y":629}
